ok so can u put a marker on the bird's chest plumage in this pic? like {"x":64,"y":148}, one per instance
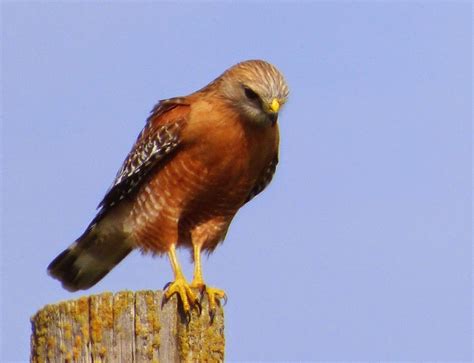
{"x":196,"y":194}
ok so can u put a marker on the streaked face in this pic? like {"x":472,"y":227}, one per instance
{"x":257,"y":89}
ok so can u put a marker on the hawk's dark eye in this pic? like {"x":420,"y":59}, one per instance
{"x":251,"y":95}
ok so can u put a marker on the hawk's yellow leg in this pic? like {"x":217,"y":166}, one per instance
{"x":213,"y":294}
{"x":180,"y":286}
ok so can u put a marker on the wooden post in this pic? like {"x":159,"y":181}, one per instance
{"x":126,"y":327}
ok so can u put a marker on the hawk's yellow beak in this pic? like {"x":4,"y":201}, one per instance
{"x":275,"y":105}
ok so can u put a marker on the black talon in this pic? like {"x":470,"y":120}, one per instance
{"x":201,"y":296}
{"x":199,"y":306}
{"x":164,"y":300}
{"x":212,"y":315}
{"x":188,"y":317}
{"x":166,"y":285}
{"x":225,"y":299}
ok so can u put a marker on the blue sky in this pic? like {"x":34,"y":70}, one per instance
{"x":361,"y":247}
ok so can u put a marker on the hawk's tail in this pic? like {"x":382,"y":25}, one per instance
{"x":88,"y":260}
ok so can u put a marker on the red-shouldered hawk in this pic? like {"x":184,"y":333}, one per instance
{"x":198,"y":160}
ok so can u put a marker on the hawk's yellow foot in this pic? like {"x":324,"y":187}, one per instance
{"x":182,"y":288}
{"x":214,"y":295}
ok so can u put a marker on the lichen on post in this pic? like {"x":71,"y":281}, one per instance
{"x":127,"y":327}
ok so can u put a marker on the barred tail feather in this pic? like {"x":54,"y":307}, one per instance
{"x":88,"y":260}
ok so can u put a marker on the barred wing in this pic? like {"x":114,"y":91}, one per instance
{"x":264,"y":179}
{"x":159,"y":138}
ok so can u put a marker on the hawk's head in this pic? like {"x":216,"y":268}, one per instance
{"x":256,"y":88}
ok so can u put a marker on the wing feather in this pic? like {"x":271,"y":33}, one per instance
{"x":156,"y":142}
{"x":264,"y":179}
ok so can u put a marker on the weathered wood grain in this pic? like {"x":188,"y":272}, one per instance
{"x":126,"y":327}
